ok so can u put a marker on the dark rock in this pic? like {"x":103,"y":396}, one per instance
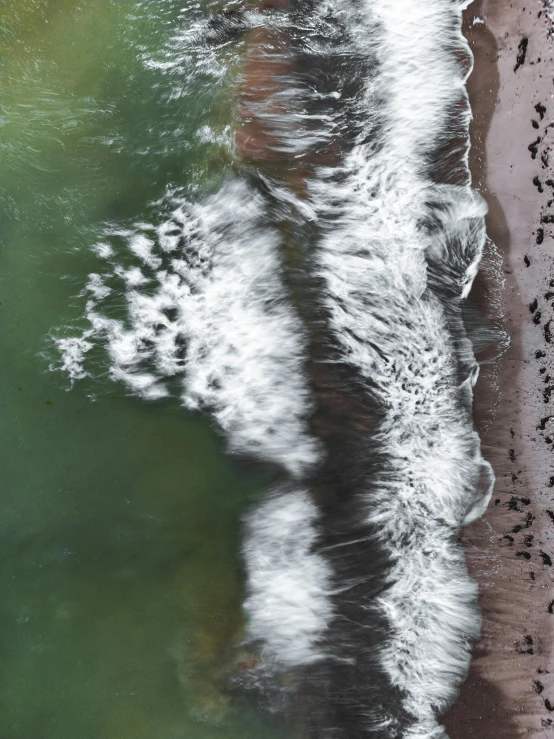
{"x":546,"y":558}
{"x":522,"y":51}
{"x":534,"y":147}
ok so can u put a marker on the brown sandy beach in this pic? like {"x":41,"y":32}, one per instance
{"x":510,"y":551}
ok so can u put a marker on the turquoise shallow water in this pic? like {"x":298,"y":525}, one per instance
{"x":120,"y":580}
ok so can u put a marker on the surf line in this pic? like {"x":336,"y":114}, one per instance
{"x":398,"y":241}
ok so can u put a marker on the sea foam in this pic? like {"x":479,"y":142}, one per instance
{"x":401,"y":327}
{"x":206,"y":304}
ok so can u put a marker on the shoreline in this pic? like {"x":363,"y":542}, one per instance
{"x":509,"y":691}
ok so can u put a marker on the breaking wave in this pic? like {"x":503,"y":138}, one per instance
{"x":313,"y":306}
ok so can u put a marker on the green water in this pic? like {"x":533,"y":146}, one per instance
{"x":120,"y":585}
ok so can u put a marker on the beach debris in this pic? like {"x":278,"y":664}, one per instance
{"x":534,"y":123}
{"x":546,"y":559}
{"x":513,"y":504}
{"x":540,"y":235}
{"x":548,"y":705}
{"x":550,"y":608}
{"x":534,"y":305}
{"x":538,"y":184}
{"x":539,"y":354}
{"x":512,"y":455}
{"x":537,"y":318}
{"x":522,"y":51}
{"x":525,"y":555}
{"x":541,"y":110}
{"x":547,"y":219}
{"x":534,"y":147}
{"x":539,"y":687}
{"x":548,"y":332}
{"x":527,"y":647}
{"x":527,"y":261}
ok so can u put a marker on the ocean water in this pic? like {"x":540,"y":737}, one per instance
{"x":239,"y":242}
{"x":121,"y":579}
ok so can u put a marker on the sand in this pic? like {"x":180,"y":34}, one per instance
{"x":510,"y":688}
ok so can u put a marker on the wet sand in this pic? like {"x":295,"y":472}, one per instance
{"x":510,"y":689}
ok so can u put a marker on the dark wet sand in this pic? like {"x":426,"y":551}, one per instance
{"x":510,"y":688}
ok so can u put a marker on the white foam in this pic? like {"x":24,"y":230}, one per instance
{"x":96,"y":286}
{"x":215,"y":313}
{"x":397,"y":334}
{"x":73,"y":352}
{"x":105,"y":251}
{"x":288,"y":584}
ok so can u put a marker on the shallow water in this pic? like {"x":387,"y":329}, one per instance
{"x":121,"y":583}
